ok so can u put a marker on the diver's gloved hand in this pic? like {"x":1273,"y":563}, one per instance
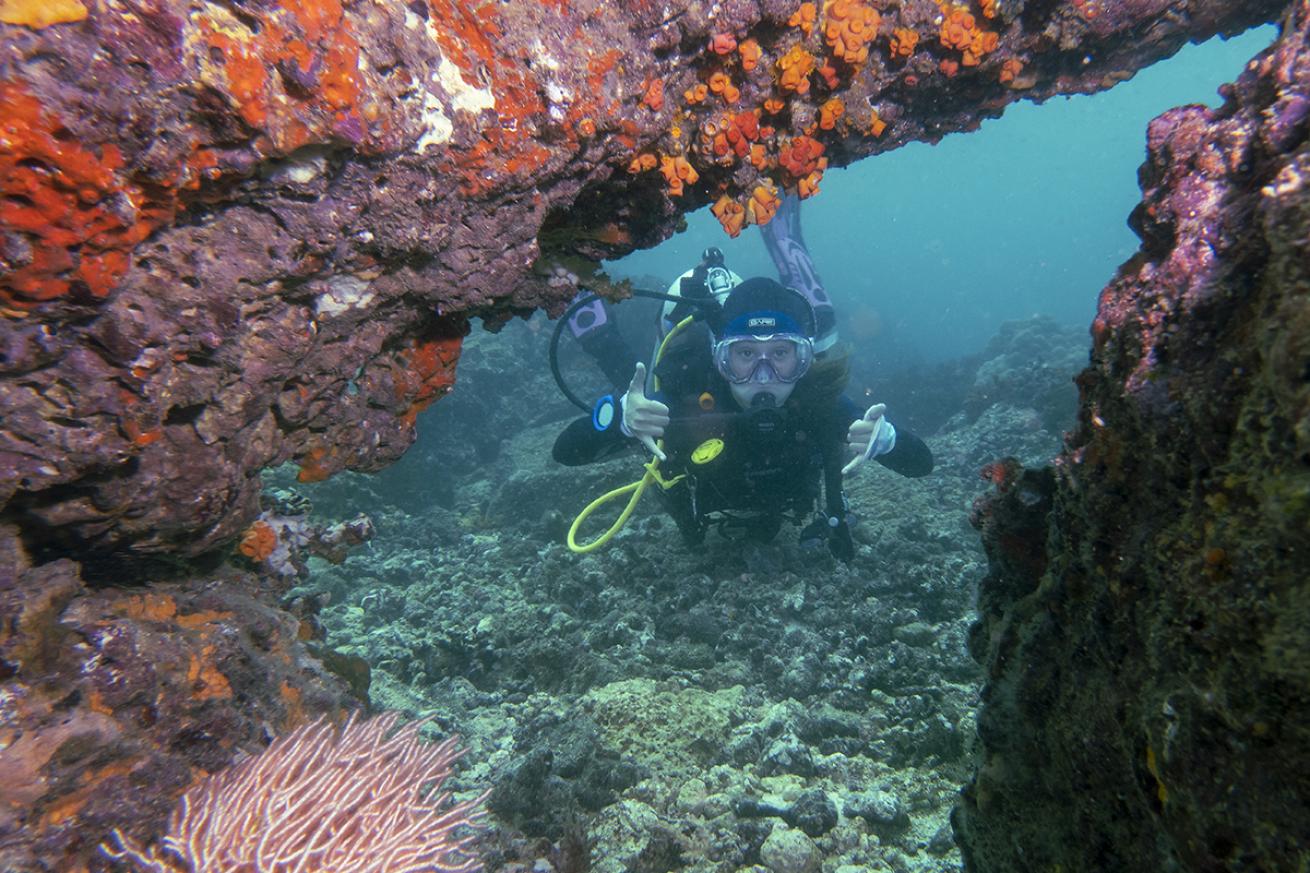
{"x":836,"y":537}
{"x":644,"y":418}
{"x":869,"y":437}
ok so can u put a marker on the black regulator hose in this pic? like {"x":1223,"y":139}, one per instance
{"x":587,"y":300}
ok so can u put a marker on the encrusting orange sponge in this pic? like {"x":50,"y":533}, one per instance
{"x":38,"y":14}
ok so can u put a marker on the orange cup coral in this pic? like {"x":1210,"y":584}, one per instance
{"x":723,"y":43}
{"x":804,"y":18}
{"x":809,"y":186}
{"x":678,"y":172}
{"x":957,"y":28}
{"x":795,"y":67}
{"x":1010,"y":70}
{"x":642,"y":162}
{"x":982,"y":43}
{"x":750,"y":54}
{"x":876,"y":124}
{"x":258,"y":542}
{"x":720,"y":84}
{"x":851,"y":25}
{"x":763,"y":204}
{"x":654,"y":97}
{"x":802,"y":156}
{"x":830,"y":112}
{"x":730,"y":213}
{"x":904,"y":41}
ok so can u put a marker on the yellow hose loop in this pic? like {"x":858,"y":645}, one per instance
{"x":637,"y":488}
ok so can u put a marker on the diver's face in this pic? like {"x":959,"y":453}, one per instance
{"x":768,"y":368}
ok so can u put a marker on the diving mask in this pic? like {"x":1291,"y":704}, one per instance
{"x":779,"y":357}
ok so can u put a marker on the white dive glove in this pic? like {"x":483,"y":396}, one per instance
{"x":643,"y":418}
{"x":869,"y":437}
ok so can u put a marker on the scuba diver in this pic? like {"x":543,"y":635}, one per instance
{"x":752,"y":420}
{"x":593,"y":325}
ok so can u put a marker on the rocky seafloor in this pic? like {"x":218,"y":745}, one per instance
{"x":744,"y":706}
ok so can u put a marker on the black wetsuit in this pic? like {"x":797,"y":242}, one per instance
{"x":768,"y":462}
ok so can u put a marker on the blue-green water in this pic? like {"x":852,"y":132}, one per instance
{"x":928,"y":249}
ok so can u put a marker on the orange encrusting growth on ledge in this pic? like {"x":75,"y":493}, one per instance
{"x":38,"y":14}
{"x":428,"y":373}
{"x":311,"y":42}
{"x":78,"y":215}
{"x":471,"y":36}
{"x":316,"y":465}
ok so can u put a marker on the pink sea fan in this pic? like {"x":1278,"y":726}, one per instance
{"x":360,"y":799}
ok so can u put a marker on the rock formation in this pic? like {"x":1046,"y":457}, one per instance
{"x":1144,"y":622}
{"x":234,"y":235}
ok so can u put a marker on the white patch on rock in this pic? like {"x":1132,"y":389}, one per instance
{"x":463,"y":96}
{"x":344,"y":292}
{"x":298,"y":170}
{"x":437,"y":128}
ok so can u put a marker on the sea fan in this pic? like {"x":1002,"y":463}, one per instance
{"x":359,"y":799}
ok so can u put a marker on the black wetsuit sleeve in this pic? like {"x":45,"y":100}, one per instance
{"x":581,"y":443}
{"x":911,"y":457}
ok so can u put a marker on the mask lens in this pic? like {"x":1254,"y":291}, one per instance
{"x":779,"y":358}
